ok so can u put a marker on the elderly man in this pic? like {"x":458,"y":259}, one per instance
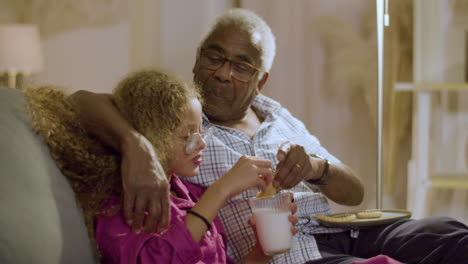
{"x":232,"y":67}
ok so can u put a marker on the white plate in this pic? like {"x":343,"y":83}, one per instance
{"x":388,"y":216}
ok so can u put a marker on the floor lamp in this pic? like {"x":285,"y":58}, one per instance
{"x":20,"y":51}
{"x":383,"y":20}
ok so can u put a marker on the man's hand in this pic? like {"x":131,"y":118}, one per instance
{"x":295,"y":165}
{"x":343,"y":186}
{"x":145,"y":186}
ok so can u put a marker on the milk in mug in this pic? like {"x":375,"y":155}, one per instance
{"x":274,"y":230}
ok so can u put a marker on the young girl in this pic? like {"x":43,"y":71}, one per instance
{"x":167,"y":112}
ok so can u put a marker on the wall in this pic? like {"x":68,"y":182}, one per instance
{"x":86,"y":59}
{"x":182,"y":31}
{"x":165,"y":35}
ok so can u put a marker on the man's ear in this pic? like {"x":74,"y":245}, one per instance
{"x":262,"y":82}
{"x":195,"y":68}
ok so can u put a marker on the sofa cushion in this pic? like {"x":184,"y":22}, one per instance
{"x":40,"y":221}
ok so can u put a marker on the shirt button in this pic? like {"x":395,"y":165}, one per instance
{"x":208,"y":233}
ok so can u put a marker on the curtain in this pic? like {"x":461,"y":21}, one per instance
{"x":56,"y":16}
{"x":325,"y":73}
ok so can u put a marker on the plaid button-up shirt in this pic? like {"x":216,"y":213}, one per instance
{"x":224,"y":150}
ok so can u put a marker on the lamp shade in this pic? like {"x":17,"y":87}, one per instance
{"x":20,"y":48}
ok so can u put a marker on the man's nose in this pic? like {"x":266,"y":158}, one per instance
{"x":224,"y":72}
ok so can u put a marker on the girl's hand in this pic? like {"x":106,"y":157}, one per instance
{"x":257,"y":255}
{"x":247,"y":173}
{"x":292,"y":218}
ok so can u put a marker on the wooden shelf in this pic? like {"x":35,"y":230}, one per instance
{"x":431,"y":87}
{"x":451,"y":181}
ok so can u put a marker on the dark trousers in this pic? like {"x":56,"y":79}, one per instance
{"x":432,"y":240}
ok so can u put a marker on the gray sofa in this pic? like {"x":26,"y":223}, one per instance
{"x":39,"y":219}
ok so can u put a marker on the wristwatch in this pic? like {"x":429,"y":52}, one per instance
{"x":322,"y":180}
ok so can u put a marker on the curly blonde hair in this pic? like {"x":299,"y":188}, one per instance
{"x":151,"y":100}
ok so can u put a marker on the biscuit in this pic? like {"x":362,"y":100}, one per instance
{"x":369,"y":214}
{"x":337,"y":219}
{"x":269,"y":191}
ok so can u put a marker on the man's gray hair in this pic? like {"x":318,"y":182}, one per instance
{"x":260,"y":33}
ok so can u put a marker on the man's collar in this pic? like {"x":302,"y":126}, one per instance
{"x":265,"y":105}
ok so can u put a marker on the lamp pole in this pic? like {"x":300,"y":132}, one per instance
{"x":383,"y":19}
{"x":20,"y":51}
{"x":11,"y":74}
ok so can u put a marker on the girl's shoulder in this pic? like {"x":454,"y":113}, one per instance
{"x":194,"y":190}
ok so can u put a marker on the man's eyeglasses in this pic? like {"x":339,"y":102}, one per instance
{"x":195,"y":138}
{"x":212,"y":60}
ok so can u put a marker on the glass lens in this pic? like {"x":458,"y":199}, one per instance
{"x":192,"y":143}
{"x":241,"y":71}
{"x":195,"y":139}
{"x":211,"y":60}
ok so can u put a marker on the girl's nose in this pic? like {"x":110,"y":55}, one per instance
{"x":201,"y":144}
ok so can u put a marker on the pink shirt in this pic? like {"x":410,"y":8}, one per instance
{"x":175,"y":245}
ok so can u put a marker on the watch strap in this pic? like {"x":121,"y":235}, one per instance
{"x":322,"y":180}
